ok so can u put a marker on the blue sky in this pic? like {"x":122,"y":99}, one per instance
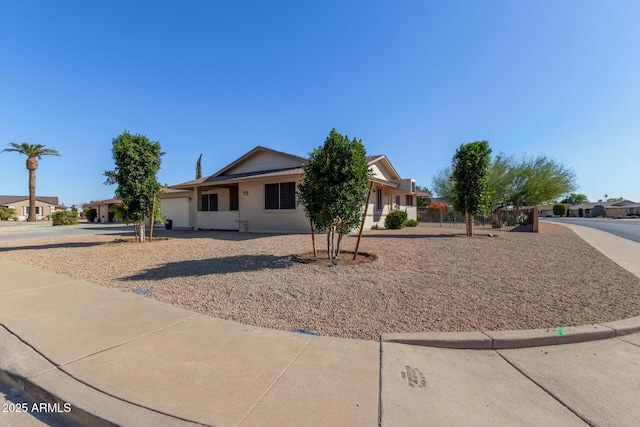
{"x":413,"y":79}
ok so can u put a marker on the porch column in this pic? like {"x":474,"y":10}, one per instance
{"x":193,"y":208}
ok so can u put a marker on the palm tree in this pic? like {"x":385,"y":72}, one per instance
{"x":33,"y":153}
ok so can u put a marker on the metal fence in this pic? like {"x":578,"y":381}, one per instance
{"x":522,"y":218}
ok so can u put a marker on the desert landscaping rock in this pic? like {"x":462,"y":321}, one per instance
{"x":423,"y":279}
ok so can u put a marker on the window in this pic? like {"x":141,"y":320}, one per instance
{"x":379,"y":204}
{"x":209,"y":202}
{"x":409,"y":200}
{"x":27,"y":210}
{"x":397,"y":200}
{"x":280,"y":196}
{"x":233,"y":199}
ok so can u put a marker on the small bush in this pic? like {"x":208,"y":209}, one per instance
{"x":395,"y":220}
{"x":6,"y":213}
{"x":560,"y":209}
{"x":91,"y":214}
{"x":411,"y":223}
{"x":64,"y":218}
{"x":598,"y":211}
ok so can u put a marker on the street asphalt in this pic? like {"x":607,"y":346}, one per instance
{"x":627,"y":228}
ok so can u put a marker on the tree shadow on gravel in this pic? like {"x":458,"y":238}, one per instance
{"x":194,"y":268}
{"x":234,"y":236}
{"x":69,"y":245}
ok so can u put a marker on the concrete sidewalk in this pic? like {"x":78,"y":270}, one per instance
{"x":123,"y":359}
{"x":132,"y":361}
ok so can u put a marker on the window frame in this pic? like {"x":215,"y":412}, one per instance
{"x":286,"y":192}
{"x":209,"y":197}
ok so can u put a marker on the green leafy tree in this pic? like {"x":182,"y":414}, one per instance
{"x":336,"y":181}
{"x":471,"y":180}
{"x":575,"y":199}
{"x":34,"y":152}
{"x":422,"y":202}
{"x":560,"y":209}
{"x":530,"y":181}
{"x":442,"y":183}
{"x":137,"y":163}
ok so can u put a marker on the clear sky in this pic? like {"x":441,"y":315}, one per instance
{"x":413,"y":79}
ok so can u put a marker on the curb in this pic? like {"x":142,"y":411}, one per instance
{"x":496,"y":340}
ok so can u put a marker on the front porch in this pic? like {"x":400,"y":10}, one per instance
{"x":220,"y":220}
{"x":217,"y":208}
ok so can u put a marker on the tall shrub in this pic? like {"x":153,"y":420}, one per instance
{"x":560,"y":209}
{"x":335,"y":184}
{"x":598,"y":211}
{"x":471,"y":180}
{"x":137,"y":163}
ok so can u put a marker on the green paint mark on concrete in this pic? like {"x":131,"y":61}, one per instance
{"x":560,"y":330}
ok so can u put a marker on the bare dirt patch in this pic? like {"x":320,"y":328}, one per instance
{"x":424,"y":279}
{"x":345,"y":258}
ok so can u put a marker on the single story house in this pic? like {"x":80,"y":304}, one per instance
{"x":102,"y":209}
{"x":614,"y":208}
{"x":45,"y":206}
{"x":257,"y":193}
{"x":545,"y":210}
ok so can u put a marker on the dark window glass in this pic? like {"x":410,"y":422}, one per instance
{"x":233,"y":199}
{"x":271,"y":196}
{"x":213,"y":202}
{"x":204,"y":205}
{"x":409,"y":200}
{"x":288,"y":195}
{"x":379,"y":199}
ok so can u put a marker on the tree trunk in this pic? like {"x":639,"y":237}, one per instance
{"x":468,"y":218}
{"x":142,"y":231}
{"x":313,"y":240}
{"x":32,"y":191}
{"x":153,"y":211}
{"x":364,"y":218}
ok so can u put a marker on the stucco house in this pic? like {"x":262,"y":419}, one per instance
{"x":102,"y":209}
{"x":257,"y":193}
{"x":45,"y":206}
{"x":614,"y":208}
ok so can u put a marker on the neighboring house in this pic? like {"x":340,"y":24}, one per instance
{"x":545,"y":210}
{"x":257,"y":192}
{"x":45,"y":206}
{"x":102,"y":209}
{"x":614,"y":208}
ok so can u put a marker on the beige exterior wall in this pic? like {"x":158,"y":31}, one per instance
{"x":255,"y":218}
{"x":218,"y":220}
{"x":264,"y":161}
{"x":381,"y":172}
{"x":42,"y":209}
{"x":375,"y":217}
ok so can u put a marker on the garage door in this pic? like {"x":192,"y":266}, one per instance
{"x":176,"y":210}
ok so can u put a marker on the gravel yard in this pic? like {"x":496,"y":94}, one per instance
{"x":424,"y":279}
